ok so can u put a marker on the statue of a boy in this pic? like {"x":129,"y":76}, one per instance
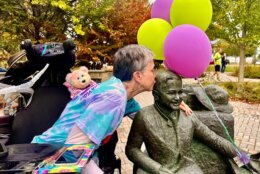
{"x":167,"y":133}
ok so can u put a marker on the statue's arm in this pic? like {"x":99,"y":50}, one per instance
{"x":133,"y":147}
{"x":203,"y":133}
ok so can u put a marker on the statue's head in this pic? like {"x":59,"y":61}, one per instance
{"x":219,"y":98}
{"x":168,"y":89}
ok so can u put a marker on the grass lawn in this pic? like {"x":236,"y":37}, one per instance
{"x":251,"y":71}
{"x":229,"y":68}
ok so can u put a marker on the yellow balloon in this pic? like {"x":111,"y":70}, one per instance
{"x":194,"y":12}
{"x":152,"y":34}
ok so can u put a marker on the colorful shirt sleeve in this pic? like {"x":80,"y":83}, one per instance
{"x":102,"y":116}
{"x":132,"y":106}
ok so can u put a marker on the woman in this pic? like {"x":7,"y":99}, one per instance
{"x":94,"y":117}
{"x":217,"y":63}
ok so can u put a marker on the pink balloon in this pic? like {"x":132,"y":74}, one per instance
{"x":187,"y":51}
{"x":161,"y":9}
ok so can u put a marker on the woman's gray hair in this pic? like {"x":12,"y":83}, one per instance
{"x":130,"y":59}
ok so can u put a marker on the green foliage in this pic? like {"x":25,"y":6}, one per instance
{"x":110,"y":25}
{"x":251,"y":71}
{"x":64,"y":5}
{"x":233,"y":49}
{"x":98,"y":27}
{"x":4,"y":55}
{"x":89,"y":15}
{"x":9,"y":42}
{"x":237,"y":23}
{"x":231,"y":18}
{"x":36,"y":20}
{"x":248,"y":91}
{"x":229,"y":68}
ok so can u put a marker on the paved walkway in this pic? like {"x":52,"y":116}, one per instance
{"x":247,"y":129}
{"x":226,"y":77}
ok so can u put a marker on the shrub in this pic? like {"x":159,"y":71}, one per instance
{"x":248,"y":91}
{"x":251,"y":71}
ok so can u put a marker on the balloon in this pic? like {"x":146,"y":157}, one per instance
{"x":187,"y":51}
{"x":194,"y":12}
{"x":161,"y":9}
{"x":152,"y":34}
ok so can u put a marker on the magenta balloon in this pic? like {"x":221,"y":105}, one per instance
{"x":187,"y":51}
{"x":161,"y":9}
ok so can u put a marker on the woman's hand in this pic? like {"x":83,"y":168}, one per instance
{"x":185,"y":108}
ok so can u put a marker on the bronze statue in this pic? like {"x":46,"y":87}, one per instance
{"x":167,"y":133}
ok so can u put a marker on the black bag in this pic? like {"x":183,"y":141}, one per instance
{"x":59,"y":56}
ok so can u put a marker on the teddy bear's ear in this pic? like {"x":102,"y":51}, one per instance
{"x":83,"y":68}
{"x":68,"y":76}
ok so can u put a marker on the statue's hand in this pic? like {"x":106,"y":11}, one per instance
{"x":164,"y":170}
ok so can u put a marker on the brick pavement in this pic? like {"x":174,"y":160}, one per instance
{"x":247,"y":129}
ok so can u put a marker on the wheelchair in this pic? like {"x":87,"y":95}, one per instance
{"x":39,"y":106}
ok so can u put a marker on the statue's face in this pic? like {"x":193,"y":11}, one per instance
{"x":171,"y":93}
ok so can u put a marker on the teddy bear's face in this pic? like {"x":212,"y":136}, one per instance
{"x":80,"y":79}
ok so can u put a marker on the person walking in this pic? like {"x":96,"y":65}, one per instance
{"x":223,"y":62}
{"x":217,"y":63}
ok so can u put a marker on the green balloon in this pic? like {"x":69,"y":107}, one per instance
{"x":194,"y":12}
{"x":152,"y":34}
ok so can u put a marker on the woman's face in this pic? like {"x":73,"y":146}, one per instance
{"x":148,"y":77}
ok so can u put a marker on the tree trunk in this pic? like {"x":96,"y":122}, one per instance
{"x":37,"y":36}
{"x":242,"y":48}
{"x":241,"y":63}
{"x":254,"y":59}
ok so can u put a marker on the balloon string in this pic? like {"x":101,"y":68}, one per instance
{"x":237,"y":149}
{"x":244,"y":157}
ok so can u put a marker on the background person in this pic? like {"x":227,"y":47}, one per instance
{"x":223,"y":62}
{"x":217,"y":63}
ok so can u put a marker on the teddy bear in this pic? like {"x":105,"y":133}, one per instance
{"x":79,"y":80}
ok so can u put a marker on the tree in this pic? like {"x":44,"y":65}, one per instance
{"x":232,"y":49}
{"x":238,"y":23}
{"x":107,"y":26}
{"x":126,"y":19}
{"x":99,"y":27}
{"x":8,"y":42}
{"x":35,"y":20}
{"x":91,"y":33}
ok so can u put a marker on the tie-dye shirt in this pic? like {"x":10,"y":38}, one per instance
{"x":131,"y":108}
{"x":97,"y":114}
